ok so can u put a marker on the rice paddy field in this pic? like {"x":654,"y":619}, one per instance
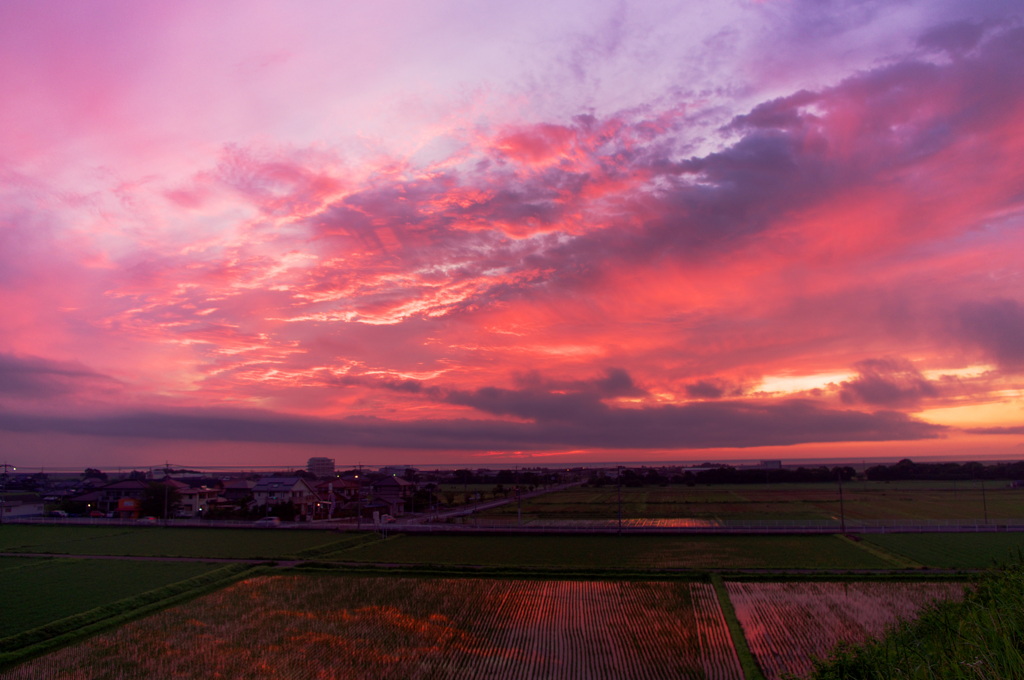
{"x":787,"y":625}
{"x":954,"y":551}
{"x":619,"y":552}
{"x":167,"y":542}
{"x":861,"y":500}
{"x":592,"y":606}
{"x":352,"y":628}
{"x":285,"y":627}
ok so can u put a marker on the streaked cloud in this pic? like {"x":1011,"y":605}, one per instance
{"x":511,"y":227}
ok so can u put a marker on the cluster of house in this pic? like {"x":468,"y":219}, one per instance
{"x":308,"y":499}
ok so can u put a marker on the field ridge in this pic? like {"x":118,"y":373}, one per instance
{"x":751,"y":670}
{"x":52,"y":635}
{"x":897,"y":560}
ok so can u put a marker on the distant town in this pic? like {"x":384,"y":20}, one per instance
{"x":321,"y":492}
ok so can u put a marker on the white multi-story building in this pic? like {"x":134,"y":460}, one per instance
{"x":321,"y":467}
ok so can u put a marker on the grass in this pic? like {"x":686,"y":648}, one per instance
{"x":35,"y":592}
{"x":751,"y":671}
{"x":164,"y":542}
{"x":33,"y":642}
{"x":953,"y":551}
{"x":979,"y":638}
{"x":620,"y":552}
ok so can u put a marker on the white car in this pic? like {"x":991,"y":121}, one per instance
{"x":267,"y":522}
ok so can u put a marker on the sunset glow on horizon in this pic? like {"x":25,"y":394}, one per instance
{"x":456,"y":232}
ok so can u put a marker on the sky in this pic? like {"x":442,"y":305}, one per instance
{"x":489,"y":233}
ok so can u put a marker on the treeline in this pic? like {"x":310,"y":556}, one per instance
{"x":907,"y":469}
{"x":723,"y":475}
{"x":520,"y":478}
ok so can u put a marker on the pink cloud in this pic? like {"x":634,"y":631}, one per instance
{"x":683,"y":243}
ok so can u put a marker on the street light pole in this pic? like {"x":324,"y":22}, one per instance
{"x":519,"y":500}
{"x":984,"y":501}
{"x":842,"y":507}
{"x":3,"y":487}
{"x":618,"y":477}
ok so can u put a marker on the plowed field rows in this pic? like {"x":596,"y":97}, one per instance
{"x":343,"y":627}
{"x":786,"y":624}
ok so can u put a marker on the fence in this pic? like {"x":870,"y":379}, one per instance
{"x":459,"y":523}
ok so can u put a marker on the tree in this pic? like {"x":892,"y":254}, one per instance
{"x":421,"y":501}
{"x":94,"y":473}
{"x":158,"y":497}
{"x":285,"y":511}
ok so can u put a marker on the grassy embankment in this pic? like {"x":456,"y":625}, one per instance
{"x":979,"y":638}
{"x":52,"y":602}
{"x":49,"y":603}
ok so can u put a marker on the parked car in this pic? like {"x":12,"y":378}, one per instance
{"x":268,"y":522}
{"x":146,"y":521}
{"x":386,"y":519}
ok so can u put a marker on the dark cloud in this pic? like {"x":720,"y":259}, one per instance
{"x":537,"y":405}
{"x":887,"y":382}
{"x":616,"y":382}
{"x":575,"y":421}
{"x":955,"y":37}
{"x":705,"y":389}
{"x":997,"y":327}
{"x":34,"y":378}
{"x":997,"y":430}
{"x":408,"y":385}
{"x":712,"y":389}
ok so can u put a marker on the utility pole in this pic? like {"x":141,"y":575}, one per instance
{"x":3,"y":487}
{"x":618,"y":477}
{"x":519,"y":499}
{"x":842,"y":507}
{"x":984,"y":502}
{"x":359,"y":501}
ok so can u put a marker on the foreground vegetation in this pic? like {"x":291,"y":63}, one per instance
{"x":787,"y":625}
{"x":977,"y":639}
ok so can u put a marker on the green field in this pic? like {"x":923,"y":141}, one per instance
{"x":619,"y":552}
{"x":954,"y":551}
{"x":861,"y":500}
{"x":165,"y":542}
{"x":36,"y":591}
